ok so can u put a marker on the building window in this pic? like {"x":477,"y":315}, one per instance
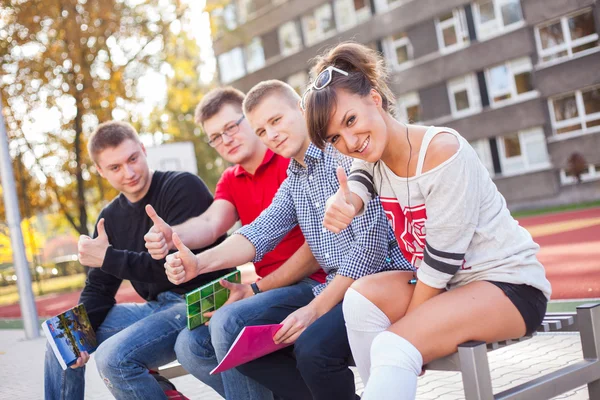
{"x":299,"y":81}
{"x":510,"y":81}
{"x":231,"y":65}
{"x":318,"y":25}
{"x":224,"y":19}
{"x":289,"y":38}
{"x":482,"y":148}
{"x":464,"y":96}
{"x":564,"y":38}
{"x":255,"y":55}
{"x":452,"y":31}
{"x":409,"y":107}
{"x":246,"y":10}
{"x":523,"y":152}
{"x":398,"y":49}
{"x":576,"y":113}
{"x":592,"y":174}
{"x":493,"y":17}
{"x":349,"y":13}
{"x":384,"y":5}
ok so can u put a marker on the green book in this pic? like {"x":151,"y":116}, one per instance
{"x":207,"y":298}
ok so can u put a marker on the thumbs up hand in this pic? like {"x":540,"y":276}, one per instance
{"x":91,"y":252}
{"x":183,"y":265}
{"x":339,"y":210}
{"x":159,"y":239}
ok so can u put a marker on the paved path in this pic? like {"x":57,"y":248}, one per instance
{"x":22,"y":371}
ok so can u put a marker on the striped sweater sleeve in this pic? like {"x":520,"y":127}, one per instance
{"x":452,"y":194}
{"x":361,"y":182}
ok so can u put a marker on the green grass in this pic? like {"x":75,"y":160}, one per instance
{"x":567,"y":207}
{"x":568,"y":306}
{"x":16,"y":323}
{"x":10,"y":294}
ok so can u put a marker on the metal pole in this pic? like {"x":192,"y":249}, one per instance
{"x":26,"y":299}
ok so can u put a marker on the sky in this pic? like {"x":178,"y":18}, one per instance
{"x":153,"y":86}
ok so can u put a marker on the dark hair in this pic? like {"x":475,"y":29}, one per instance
{"x":213,"y":101}
{"x":109,"y":135}
{"x":263,"y":89}
{"x":366,"y":71}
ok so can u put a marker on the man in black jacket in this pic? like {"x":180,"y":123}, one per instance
{"x":133,"y":338}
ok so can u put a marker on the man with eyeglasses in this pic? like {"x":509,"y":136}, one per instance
{"x":243,"y":192}
{"x":316,"y":366}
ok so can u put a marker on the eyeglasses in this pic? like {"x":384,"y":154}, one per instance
{"x":322,"y":81}
{"x":217,"y":138}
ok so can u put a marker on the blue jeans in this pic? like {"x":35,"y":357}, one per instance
{"x":199,"y":351}
{"x":132,"y":339}
{"x":315,"y":368}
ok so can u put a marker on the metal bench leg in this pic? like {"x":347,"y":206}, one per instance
{"x":588,"y":319}
{"x":475,"y":370}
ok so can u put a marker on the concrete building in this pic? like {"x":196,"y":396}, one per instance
{"x":520,"y":79}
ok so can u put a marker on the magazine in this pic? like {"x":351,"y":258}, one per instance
{"x":69,"y":334}
{"x":252,"y":342}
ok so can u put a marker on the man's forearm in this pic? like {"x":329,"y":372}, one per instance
{"x":235,"y":250}
{"x":332,"y":294}
{"x":196,"y":233}
{"x":202,"y":231}
{"x":301,"y":264}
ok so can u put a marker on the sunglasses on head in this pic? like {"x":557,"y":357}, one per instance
{"x":322,"y":81}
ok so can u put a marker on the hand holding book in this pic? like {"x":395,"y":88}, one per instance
{"x":295,"y":323}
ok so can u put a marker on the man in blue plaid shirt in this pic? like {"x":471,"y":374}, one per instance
{"x":317,"y":365}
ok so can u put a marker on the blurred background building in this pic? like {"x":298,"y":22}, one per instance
{"x":520,"y":79}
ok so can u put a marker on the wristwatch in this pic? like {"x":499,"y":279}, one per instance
{"x":255,"y":288}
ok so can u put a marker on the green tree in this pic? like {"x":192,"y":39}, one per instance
{"x":175,"y":119}
{"x":67,"y":65}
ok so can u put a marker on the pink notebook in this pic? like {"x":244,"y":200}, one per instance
{"x":253,"y":342}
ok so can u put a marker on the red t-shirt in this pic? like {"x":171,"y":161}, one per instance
{"x":251,"y":194}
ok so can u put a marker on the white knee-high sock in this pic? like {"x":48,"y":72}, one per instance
{"x":364,"y":321}
{"x":395,"y":367}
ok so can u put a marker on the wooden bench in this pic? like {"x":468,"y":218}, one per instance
{"x":472,"y":361}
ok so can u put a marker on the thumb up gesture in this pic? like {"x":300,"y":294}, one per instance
{"x":183,"y":265}
{"x":339,"y":210}
{"x":159,"y":239}
{"x":91,"y":252}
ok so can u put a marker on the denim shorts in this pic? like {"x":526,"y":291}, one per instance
{"x":530,"y":302}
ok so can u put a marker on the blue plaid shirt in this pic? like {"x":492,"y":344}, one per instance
{"x":366,"y":247}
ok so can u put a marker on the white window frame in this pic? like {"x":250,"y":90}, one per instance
{"x":469,"y":83}
{"x":590,"y":175}
{"x":582,"y":118}
{"x":282,"y":50}
{"x":300,"y":79}
{"x":319,"y":34}
{"x":243,"y":14}
{"x":459,"y":22}
{"x":405,"y":101}
{"x":390,"y":45}
{"x":568,"y":44}
{"x":383,"y":5}
{"x":356,"y":16}
{"x":496,"y":26}
{"x":525,"y":137}
{"x":225,"y":61}
{"x":484,"y":152}
{"x":514,"y":67}
{"x":261,"y":62}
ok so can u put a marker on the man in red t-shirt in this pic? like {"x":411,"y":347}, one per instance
{"x":243,"y":192}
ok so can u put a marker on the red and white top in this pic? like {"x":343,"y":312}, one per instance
{"x":451,"y":222}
